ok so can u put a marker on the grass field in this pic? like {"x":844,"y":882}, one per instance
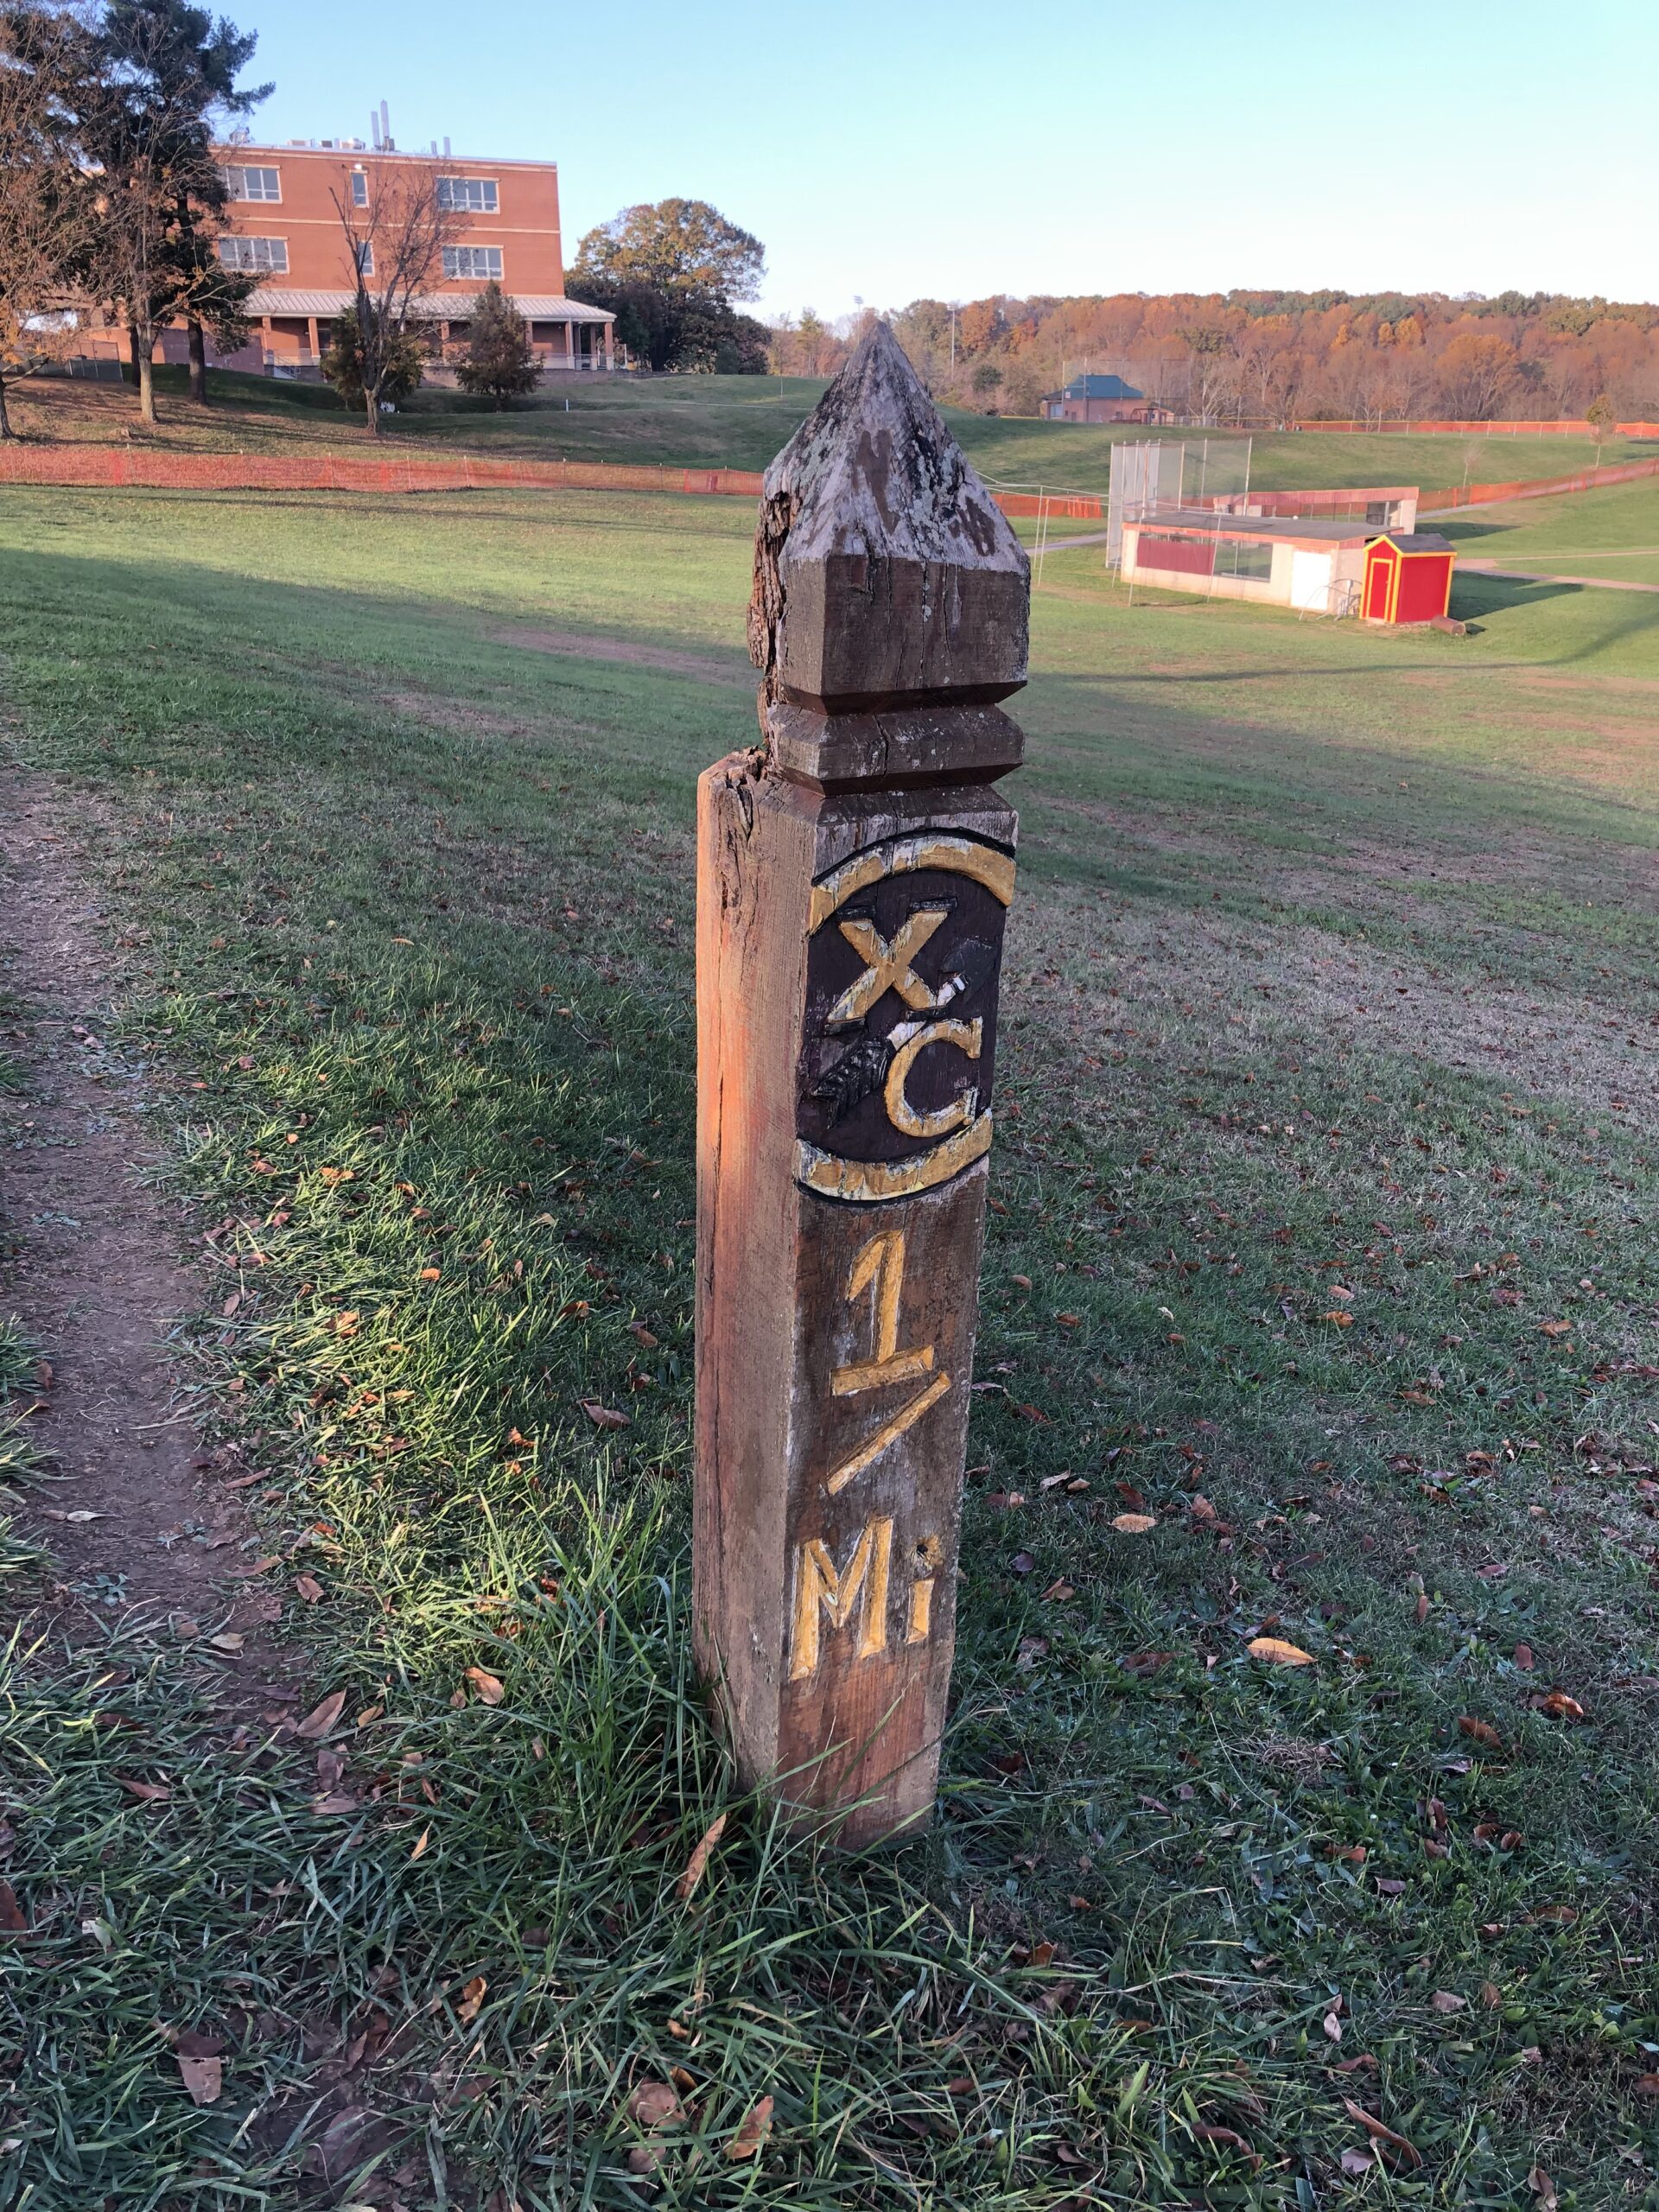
{"x":742,"y":421}
{"x":1610,"y":533}
{"x":1324,"y":1193}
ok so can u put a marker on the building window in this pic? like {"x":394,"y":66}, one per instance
{"x":467,"y":195}
{"x":476,"y":261}
{"x":1248,"y":557}
{"x":253,"y":184}
{"x":360,"y":188}
{"x":363,"y":254}
{"x":262,"y":257}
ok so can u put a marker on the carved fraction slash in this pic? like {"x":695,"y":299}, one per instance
{"x":854,"y":874}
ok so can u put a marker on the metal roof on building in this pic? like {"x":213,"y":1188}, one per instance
{"x":535,"y":307}
{"x":1206,"y":522}
{"x":1098,"y":388}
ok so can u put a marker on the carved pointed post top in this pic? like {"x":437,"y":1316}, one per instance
{"x":885,"y":574}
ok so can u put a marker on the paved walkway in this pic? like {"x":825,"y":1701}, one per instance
{"x":1538,"y":576}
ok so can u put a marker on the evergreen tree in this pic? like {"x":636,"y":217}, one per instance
{"x":500,"y":363}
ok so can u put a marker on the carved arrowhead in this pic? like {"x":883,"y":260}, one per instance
{"x":884,"y":574}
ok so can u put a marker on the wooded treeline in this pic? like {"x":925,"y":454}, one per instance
{"x":1267,"y":357}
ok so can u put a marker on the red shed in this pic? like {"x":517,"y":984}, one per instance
{"x":1407,"y":577}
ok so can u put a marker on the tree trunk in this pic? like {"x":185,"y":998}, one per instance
{"x":371,"y":410}
{"x":6,"y":430}
{"x":130,"y":367}
{"x":198,"y":362}
{"x":146,"y":387}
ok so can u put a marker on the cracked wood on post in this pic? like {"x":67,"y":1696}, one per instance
{"x":854,"y":875}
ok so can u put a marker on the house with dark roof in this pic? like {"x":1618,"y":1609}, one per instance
{"x":1102,"y":399}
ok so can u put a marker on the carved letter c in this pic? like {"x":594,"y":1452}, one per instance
{"x":965,"y":1036}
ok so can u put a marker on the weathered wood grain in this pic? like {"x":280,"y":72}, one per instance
{"x":854,"y":875}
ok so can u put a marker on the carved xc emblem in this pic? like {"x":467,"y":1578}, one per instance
{"x":887,"y":966}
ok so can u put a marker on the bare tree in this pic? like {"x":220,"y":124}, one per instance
{"x":48,"y":204}
{"x":395,"y":242}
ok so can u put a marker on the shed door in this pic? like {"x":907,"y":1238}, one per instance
{"x":1310,"y":581}
{"x":1378,"y":569}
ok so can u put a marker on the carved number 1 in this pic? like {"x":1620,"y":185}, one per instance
{"x":881,"y":1266}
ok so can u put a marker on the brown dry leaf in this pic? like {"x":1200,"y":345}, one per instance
{"x":1543,"y":2189}
{"x":1417,"y":1397}
{"x":203,"y":2078}
{"x":308,"y":1587}
{"x":420,"y":1845}
{"x":752,"y":2131}
{"x":1020,"y":1283}
{"x":1554,"y":1328}
{"x":642,"y":1336}
{"x":696,"y":1865}
{"x":1070,"y":1320}
{"x":13,"y":1919}
{"x":228,"y":1639}
{"x":334,"y":1800}
{"x":1446,"y":2000}
{"x":1491,"y":1995}
{"x":1333,"y":2026}
{"x":488,"y":1686}
{"x":1355,"y":2159}
{"x":322,"y":1718}
{"x":1482,"y":1731}
{"x":604,"y":1416}
{"x":153,"y":1792}
{"x":1338,"y":1319}
{"x":471,"y":1996}
{"x":1523,"y":1657}
{"x":1380,"y":2129}
{"x":1060,"y":1590}
{"x":1278,"y":1652}
{"x":1423,"y":1607}
{"x":1646,"y":2085}
{"x":1560,"y":1707}
{"x":1134,"y":1524}
{"x":653,"y":2105}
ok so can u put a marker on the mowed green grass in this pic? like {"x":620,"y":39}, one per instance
{"x":1322,"y":1198}
{"x":741,"y":422}
{"x":1612,"y":533}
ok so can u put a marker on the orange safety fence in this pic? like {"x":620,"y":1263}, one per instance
{"x":1540,"y":487}
{"x":1557,"y":430}
{"x":94,"y":466}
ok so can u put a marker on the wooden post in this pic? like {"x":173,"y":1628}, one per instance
{"x":854,"y":875}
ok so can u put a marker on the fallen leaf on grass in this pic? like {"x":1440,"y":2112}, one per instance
{"x":420,"y":1845}
{"x":203,"y":2078}
{"x":1060,"y":1590}
{"x":227,"y":1640}
{"x":604,"y":1416}
{"x":1446,"y":2000}
{"x":151,"y":1792}
{"x":80,"y":1515}
{"x":1381,"y":2131}
{"x":334,"y":1800}
{"x":653,"y":2105}
{"x":1491,"y":1995}
{"x":1523,"y":1657}
{"x":1646,"y":2085}
{"x":1333,"y":2026}
{"x":752,"y":2131}
{"x":1134,"y":1524}
{"x":696,"y":1864}
{"x":1338,"y":1319}
{"x":1481,"y":1731}
{"x":1543,"y":2189}
{"x":1278,"y":1652}
{"x":1560,"y":1707}
{"x":13,"y":1919}
{"x":472,"y":1996}
{"x":1554,"y":1328}
{"x":488,"y":1686}
{"x":1355,"y":2159}
{"x":322,"y":1718}
{"x":308,"y":1587}
{"x":1070,"y":1320}
{"x":642,"y":1336}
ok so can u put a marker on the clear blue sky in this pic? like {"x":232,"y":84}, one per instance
{"x":892,"y":149}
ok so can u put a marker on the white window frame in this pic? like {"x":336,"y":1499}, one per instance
{"x":254,"y":257}
{"x":236,"y":173}
{"x":472,"y":264}
{"x":363,"y":254}
{"x":360,"y":188}
{"x":469,"y":195}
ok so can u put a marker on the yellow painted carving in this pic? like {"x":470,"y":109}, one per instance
{"x":886,"y":967}
{"x":901,"y":856}
{"x":921,"y":1610}
{"x":889,"y":1432}
{"x":966,"y":1036}
{"x":820,"y":1591}
{"x":881,"y":1262}
{"x":868,"y":1182}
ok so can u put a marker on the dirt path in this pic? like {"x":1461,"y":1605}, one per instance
{"x":94,"y":1283}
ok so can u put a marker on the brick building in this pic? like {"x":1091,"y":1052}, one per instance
{"x":1102,"y":399}
{"x":283,"y":224}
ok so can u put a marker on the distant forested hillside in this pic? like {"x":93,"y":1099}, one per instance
{"x":1266,"y":357}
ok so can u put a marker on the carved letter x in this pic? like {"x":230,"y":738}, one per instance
{"x":887,"y":966}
